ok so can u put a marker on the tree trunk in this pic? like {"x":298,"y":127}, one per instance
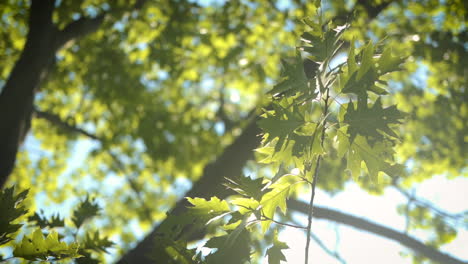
{"x":17,"y":95}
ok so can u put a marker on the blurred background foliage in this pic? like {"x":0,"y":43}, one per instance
{"x":162,"y":90}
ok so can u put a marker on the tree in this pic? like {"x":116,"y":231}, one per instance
{"x":165,"y":96}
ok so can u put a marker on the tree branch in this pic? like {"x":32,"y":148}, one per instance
{"x":77,"y":29}
{"x":86,"y":25}
{"x":56,"y":120}
{"x":373,"y":10}
{"x":365,"y":225}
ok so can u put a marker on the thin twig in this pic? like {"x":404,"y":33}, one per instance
{"x":315,"y":179}
{"x":456,"y":217}
{"x":266,"y":218}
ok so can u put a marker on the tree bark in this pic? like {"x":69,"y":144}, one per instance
{"x":17,"y":95}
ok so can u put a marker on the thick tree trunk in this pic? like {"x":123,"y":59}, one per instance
{"x":17,"y":95}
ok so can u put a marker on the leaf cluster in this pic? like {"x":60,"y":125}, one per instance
{"x":303,"y":121}
{"x":42,"y":237}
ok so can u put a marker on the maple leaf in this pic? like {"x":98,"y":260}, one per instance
{"x":276,"y":197}
{"x":275,"y":256}
{"x":43,"y":222}
{"x":86,"y":209}
{"x":377,"y":158}
{"x":12,"y":209}
{"x":246,"y":186}
{"x":38,"y":247}
{"x":321,"y":45}
{"x":372,"y":122}
{"x":363,"y":77}
{"x":294,"y":79}
{"x":388,"y":63}
{"x":94,"y":242}
{"x":208,"y":209}
{"x":233,"y":247}
{"x":280,"y":123}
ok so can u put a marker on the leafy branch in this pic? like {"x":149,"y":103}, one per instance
{"x":293,"y":138}
{"x":45,"y":242}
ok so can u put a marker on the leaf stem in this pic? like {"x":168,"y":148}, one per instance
{"x":315,"y":179}
{"x":266,"y":218}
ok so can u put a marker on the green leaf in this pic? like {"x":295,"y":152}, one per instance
{"x":246,"y":186}
{"x":352,"y":65}
{"x":93,"y":241}
{"x":306,"y":140}
{"x":388,"y":63}
{"x":321,"y":46}
{"x":11,"y":209}
{"x":372,"y":122}
{"x":279,"y":123}
{"x":294,"y":80}
{"x":343,"y":141}
{"x":366,"y":61}
{"x":353,"y":164}
{"x":174,"y":252}
{"x":275,"y":256}
{"x":43,"y":222}
{"x":233,"y":248}
{"x":36,"y":247}
{"x":375,"y":157}
{"x":205,"y":210}
{"x":276,"y":197}
{"x":246,"y":204}
{"x":364,"y":78}
{"x":364,"y":84}
{"x":85,"y":210}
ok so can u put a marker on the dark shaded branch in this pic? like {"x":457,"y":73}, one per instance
{"x":373,"y":9}
{"x":77,"y":29}
{"x":56,"y":120}
{"x":365,"y":225}
{"x":87,"y":25}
